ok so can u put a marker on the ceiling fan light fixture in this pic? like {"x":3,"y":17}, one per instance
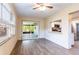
{"x":42,"y":8}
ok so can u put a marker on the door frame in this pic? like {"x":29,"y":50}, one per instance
{"x":38,"y":22}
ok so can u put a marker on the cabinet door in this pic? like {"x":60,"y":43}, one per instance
{"x":5,"y":14}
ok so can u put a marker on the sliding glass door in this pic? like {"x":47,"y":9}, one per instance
{"x":29,"y":30}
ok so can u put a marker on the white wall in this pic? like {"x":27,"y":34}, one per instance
{"x":7,"y":47}
{"x":65,"y":38}
{"x":60,"y":38}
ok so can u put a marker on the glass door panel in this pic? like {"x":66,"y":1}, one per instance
{"x":29,"y":31}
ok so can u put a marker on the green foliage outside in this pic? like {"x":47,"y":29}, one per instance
{"x":28,"y":28}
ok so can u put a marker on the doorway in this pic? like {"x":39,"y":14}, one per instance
{"x":29,"y":30}
{"x":74,"y":19}
{"x":77,"y":25}
{"x":75,"y":29}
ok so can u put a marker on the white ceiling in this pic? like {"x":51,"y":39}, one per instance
{"x":26,"y":10}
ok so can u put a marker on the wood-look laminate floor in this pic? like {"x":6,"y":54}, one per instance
{"x":41,"y":47}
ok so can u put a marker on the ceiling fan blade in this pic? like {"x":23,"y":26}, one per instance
{"x":49,"y":6}
{"x":39,"y":3}
{"x":35,"y":7}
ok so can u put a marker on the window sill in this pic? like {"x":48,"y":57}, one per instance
{"x":5,"y":39}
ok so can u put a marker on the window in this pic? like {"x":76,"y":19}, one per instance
{"x":0,"y":10}
{"x":6,"y":14}
{"x":28,"y":28}
{"x":7,"y":27}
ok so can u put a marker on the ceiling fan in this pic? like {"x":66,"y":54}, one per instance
{"x":42,"y":6}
